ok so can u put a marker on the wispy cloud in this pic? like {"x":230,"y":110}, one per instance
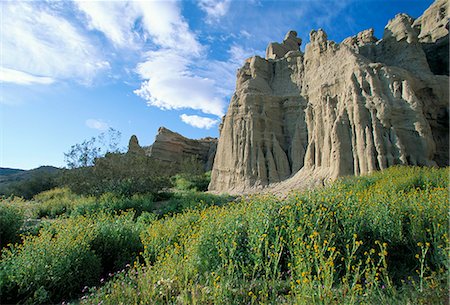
{"x":198,"y":121}
{"x":115,"y":19}
{"x":97,"y":124}
{"x":36,"y":40}
{"x":214,"y":9}
{"x":23,"y":78}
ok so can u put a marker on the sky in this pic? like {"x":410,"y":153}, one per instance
{"x":70,"y":70}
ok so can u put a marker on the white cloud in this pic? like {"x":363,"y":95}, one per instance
{"x":97,"y":124}
{"x":170,"y":80}
{"x":23,"y":78}
{"x":132,"y":23}
{"x":114,"y":18}
{"x":198,"y":121}
{"x":167,"y":27}
{"x":214,"y":9}
{"x":37,"y":41}
{"x":171,"y":84}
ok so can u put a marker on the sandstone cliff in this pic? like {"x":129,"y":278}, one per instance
{"x":172,"y":147}
{"x":338,"y":109}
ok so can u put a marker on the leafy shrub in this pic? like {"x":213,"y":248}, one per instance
{"x":56,"y":202}
{"x":11,"y":219}
{"x":116,"y":242}
{"x":62,"y":201}
{"x":182,"y":201}
{"x":120,"y":174}
{"x":110,"y":203}
{"x":186,"y":182}
{"x":66,"y":256}
{"x":50,"y":266}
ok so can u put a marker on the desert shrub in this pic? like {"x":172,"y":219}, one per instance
{"x":187,"y":182}
{"x":116,"y":241}
{"x":66,"y":256}
{"x":11,"y":220}
{"x":120,"y":174}
{"x":47,"y":267}
{"x":57,"y":202}
{"x":110,"y":203}
{"x":376,"y":239}
{"x":182,"y":201}
{"x":62,"y":201}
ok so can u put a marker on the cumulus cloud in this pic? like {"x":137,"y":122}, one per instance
{"x":167,"y":28}
{"x":198,"y":121}
{"x":171,"y":84}
{"x":23,"y":78}
{"x":170,"y":78}
{"x":36,"y":40}
{"x":97,"y":124}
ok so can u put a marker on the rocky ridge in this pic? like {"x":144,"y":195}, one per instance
{"x":172,"y":147}
{"x":338,"y":109}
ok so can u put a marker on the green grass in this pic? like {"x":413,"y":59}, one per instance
{"x":381,"y":238}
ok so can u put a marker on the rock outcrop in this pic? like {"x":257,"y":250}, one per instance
{"x":338,"y":109}
{"x":172,"y":147}
{"x":134,"y":147}
{"x":433,"y":35}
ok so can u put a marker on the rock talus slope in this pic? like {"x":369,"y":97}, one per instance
{"x":338,"y":109}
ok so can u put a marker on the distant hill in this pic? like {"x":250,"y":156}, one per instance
{"x":8,"y":175}
{"x":4,"y":171}
{"x":12,"y":180}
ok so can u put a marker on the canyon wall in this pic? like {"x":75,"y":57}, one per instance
{"x":338,"y":109}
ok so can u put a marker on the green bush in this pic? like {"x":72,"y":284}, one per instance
{"x":62,"y":201}
{"x":45,"y":268}
{"x":57,"y":202}
{"x":116,"y":242}
{"x":110,"y":203}
{"x":187,"y":182}
{"x":182,"y":201}
{"x":120,"y":174}
{"x":11,"y":220}
{"x":66,"y":256}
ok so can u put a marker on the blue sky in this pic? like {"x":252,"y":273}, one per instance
{"x":72,"y":69}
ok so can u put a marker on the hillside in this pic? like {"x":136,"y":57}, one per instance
{"x":13,"y":181}
{"x":9,"y":171}
{"x":8,"y":175}
{"x":380,"y":238}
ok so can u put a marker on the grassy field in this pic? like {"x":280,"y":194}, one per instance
{"x":381,"y":239}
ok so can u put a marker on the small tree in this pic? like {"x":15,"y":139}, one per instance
{"x":85,"y":153}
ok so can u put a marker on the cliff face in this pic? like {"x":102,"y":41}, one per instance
{"x":172,"y":147}
{"x":338,"y":109}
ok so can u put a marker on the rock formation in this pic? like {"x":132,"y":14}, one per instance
{"x":338,"y":109}
{"x":134,"y":147}
{"x":172,"y":147}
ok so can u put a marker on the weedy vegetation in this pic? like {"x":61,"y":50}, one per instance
{"x":381,"y":238}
